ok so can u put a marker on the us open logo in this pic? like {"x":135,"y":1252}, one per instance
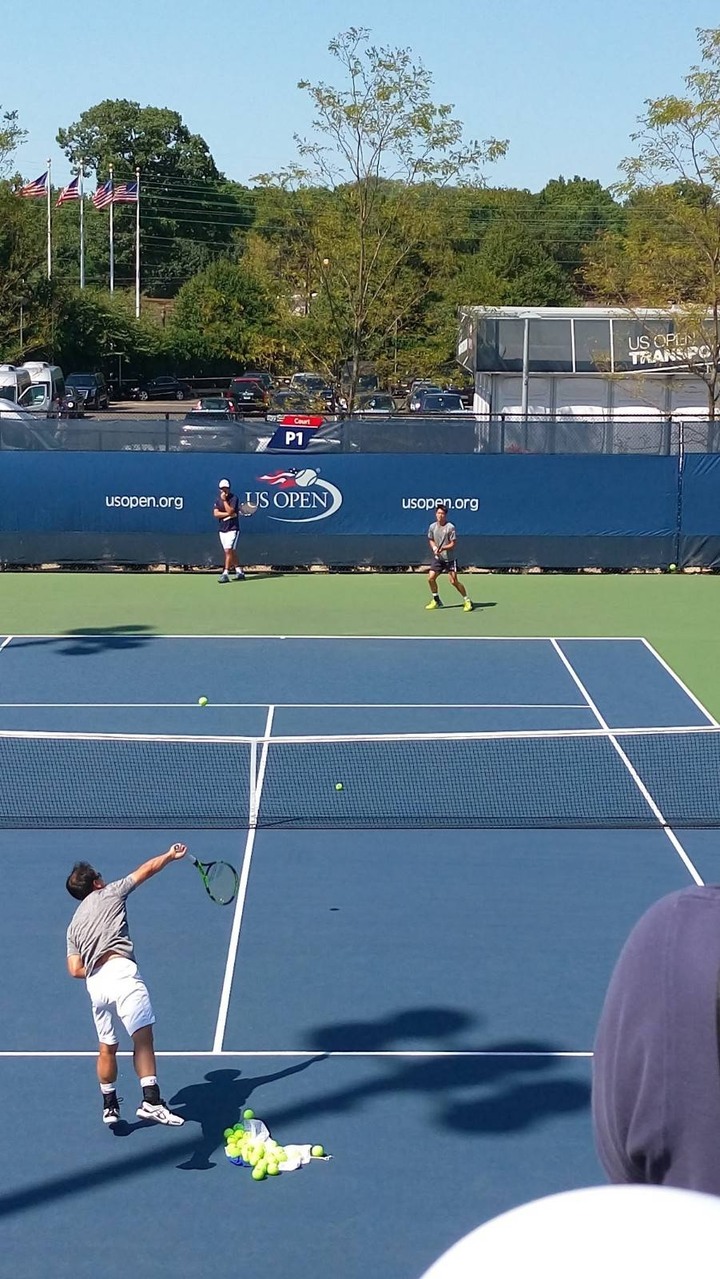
{"x":297,"y":496}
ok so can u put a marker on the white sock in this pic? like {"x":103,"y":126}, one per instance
{"x":149,"y":1081}
{"x":107,"y":1089}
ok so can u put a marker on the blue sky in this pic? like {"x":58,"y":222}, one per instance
{"x":563,"y":81}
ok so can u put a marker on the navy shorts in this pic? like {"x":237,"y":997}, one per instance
{"x":443,"y":566}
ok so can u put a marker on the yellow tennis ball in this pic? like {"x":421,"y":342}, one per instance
{"x":202,"y":701}
{"x":338,"y":786}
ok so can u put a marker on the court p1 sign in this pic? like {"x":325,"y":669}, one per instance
{"x":295,"y":432}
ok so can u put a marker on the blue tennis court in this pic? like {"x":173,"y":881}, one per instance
{"x":420,"y":1001}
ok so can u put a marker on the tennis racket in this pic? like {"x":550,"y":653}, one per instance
{"x":247,"y":508}
{"x":220,"y":880}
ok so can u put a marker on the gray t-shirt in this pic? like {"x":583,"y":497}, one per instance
{"x":440,"y":535}
{"x":100,"y":924}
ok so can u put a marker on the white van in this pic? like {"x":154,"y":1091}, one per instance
{"x":47,"y":389}
{"x":14,"y":382}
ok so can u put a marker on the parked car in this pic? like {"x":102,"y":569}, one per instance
{"x":209,"y":434}
{"x":293,"y":403}
{"x":91,"y":388}
{"x":123,"y":388}
{"x":418,"y":391}
{"x":14,"y":383}
{"x":47,"y":387}
{"x":259,"y":375}
{"x":23,"y":430}
{"x":440,"y":402}
{"x":310,"y":383}
{"x":71,"y":405}
{"x":162,"y":388}
{"x":377,"y":404}
{"x":216,"y":406}
{"x":249,"y":396}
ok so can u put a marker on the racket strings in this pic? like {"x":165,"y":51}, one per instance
{"x":222,"y":882}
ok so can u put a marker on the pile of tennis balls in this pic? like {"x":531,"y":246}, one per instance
{"x":265,"y":1158}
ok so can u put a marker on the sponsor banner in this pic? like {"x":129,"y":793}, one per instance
{"x":372,"y":495}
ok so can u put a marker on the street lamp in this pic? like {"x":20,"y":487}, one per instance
{"x":120,"y":357}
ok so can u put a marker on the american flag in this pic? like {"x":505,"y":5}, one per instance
{"x":70,"y":192}
{"x":104,"y":195}
{"x":38,"y":187}
{"x":126,"y":193}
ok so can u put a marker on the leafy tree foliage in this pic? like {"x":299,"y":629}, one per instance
{"x":189,"y":212}
{"x":669,"y":249}
{"x":378,"y":141}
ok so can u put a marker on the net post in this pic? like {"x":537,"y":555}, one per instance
{"x":252,"y":815}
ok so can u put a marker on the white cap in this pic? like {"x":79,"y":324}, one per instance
{"x":595,"y":1232}
{"x":224,"y":484}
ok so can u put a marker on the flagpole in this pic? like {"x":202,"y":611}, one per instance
{"x":112,"y":245}
{"x":82,"y":225}
{"x":137,"y":245}
{"x":49,"y":220}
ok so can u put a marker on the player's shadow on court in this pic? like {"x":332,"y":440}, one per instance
{"x":218,"y":1103}
{"x":504,"y":1087}
{"x":86,"y":641}
{"x":477,"y":604}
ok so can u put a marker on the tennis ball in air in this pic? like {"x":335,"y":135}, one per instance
{"x":248,"y":1114}
{"x":672,"y":568}
{"x":338,"y":786}
{"x":317,"y":1152}
{"x":202,"y":701}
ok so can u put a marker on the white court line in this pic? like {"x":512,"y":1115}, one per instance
{"x":389,"y":706}
{"x":256,"y":786}
{"x":294,"y":739}
{"x":7,"y":641}
{"x":421,"y":639}
{"x":687,"y":691}
{"x":304,"y":1052}
{"x":628,"y":764}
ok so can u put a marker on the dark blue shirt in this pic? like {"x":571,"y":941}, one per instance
{"x":232,"y":522}
{"x":656,"y":1077}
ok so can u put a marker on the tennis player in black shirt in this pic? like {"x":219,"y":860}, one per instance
{"x":227,"y":511}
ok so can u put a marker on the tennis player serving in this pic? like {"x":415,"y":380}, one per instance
{"x":99,"y":950}
{"x":443,"y":540}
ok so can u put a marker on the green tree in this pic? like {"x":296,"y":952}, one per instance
{"x":570,"y":214}
{"x":379,"y":143}
{"x":11,"y":135}
{"x":222,"y":315}
{"x":189,"y":212}
{"x":668,"y":254}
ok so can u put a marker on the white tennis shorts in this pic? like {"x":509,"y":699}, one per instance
{"x":229,"y":540}
{"x":118,"y":993}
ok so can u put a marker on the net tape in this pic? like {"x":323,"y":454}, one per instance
{"x":578,"y":778}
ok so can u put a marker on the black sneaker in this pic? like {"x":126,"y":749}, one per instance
{"x":111,"y":1109}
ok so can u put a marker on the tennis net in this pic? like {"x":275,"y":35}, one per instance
{"x":580,"y":778}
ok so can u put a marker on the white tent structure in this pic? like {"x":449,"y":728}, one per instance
{"x":531,"y":363}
